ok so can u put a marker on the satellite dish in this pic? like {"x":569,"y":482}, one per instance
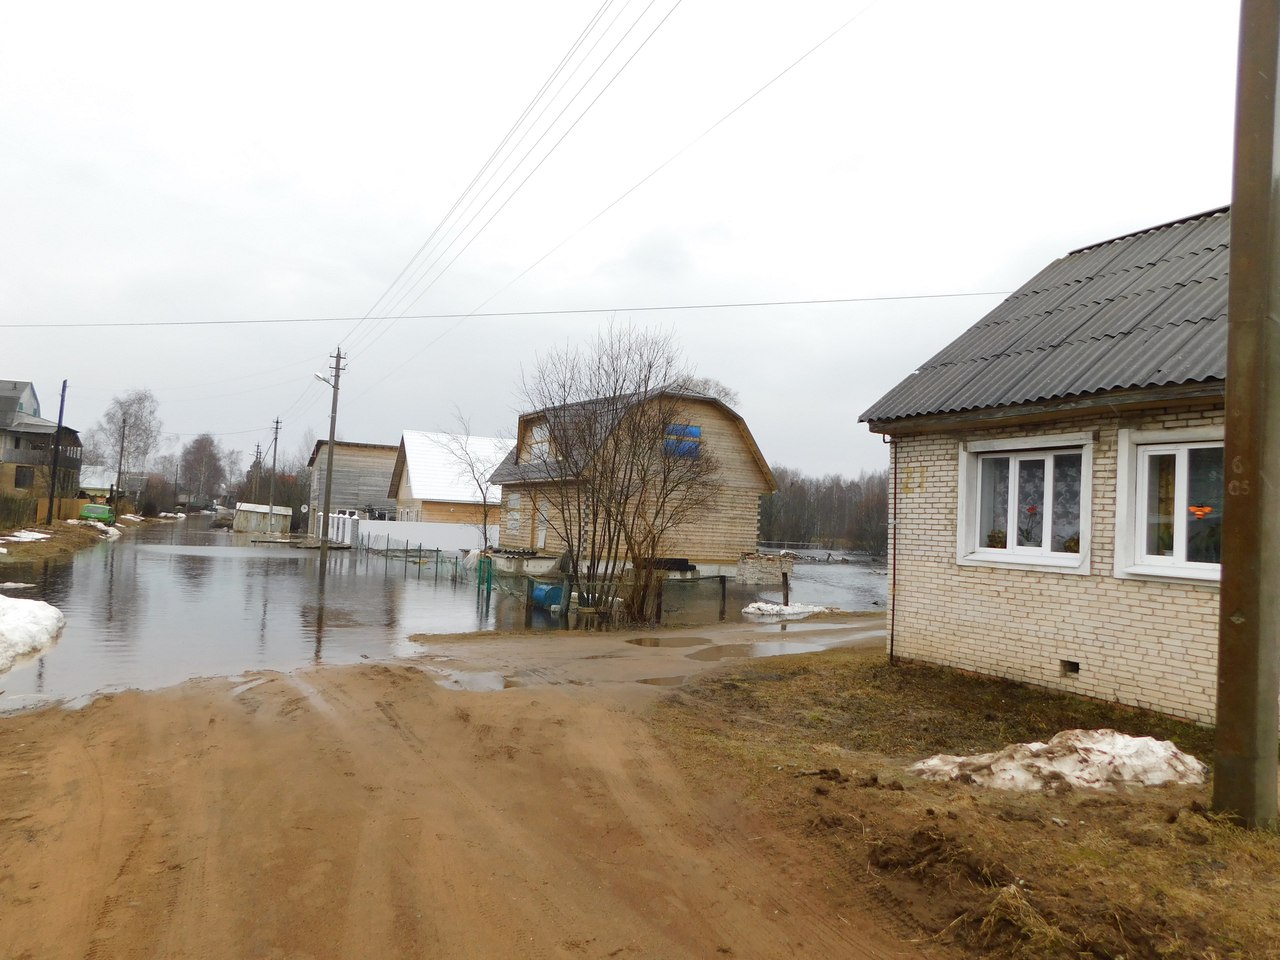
{"x":304,"y":508}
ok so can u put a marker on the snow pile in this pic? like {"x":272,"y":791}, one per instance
{"x":787,"y":612}
{"x":25,"y":536}
{"x":1080,"y":758}
{"x":109,"y":532}
{"x":16,"y":586}
{"x":26,"y":626}
{"x":132,"y":518}
{"x":173,"y":516}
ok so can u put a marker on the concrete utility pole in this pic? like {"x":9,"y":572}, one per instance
{"x":328,"y":468}
{"x":271,"y":487}
{"x":57,"y":450}
{"x":1244,"y":780}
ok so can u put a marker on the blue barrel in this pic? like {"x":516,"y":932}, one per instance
{"x":546,"y":595}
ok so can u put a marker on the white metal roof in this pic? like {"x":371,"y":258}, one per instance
{"x":437,"y":472}
{"x":263,"y":507}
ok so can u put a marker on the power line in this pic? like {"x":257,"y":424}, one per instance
{"x":804,"y":56}
{"x":420,"y":275}
{"x":492,"y":156}
{"x":511,"y":313}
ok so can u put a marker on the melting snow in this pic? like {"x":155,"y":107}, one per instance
{"x":25,"y":536}
{"x":109,"y":532}
{"x":762,"y":609}
{"x":1081,"y":758}
{"x":132,"y":517}
{"x":26,"y":627}
{"x":16,"y":586}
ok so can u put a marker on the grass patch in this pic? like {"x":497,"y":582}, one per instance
{"x":820,"y":743}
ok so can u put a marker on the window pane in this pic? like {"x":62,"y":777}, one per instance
{"x":1204,"y":505}
{"x":993,"y":509}
{"x":1030,"y":503}
{"x":1160,"y":504}
{"x":1066,"y":503}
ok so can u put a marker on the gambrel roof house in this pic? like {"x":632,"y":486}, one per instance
{"x":1057,"y":476}
{"x":724,"y":529}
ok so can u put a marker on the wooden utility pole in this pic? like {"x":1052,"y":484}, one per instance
{"x":57,"y":450}
{"x":256,"y":470}
{"x":1244,"y":780}
{"x":124,"y":424}
{"x":328,"y":468}
{"x":271,"y":487}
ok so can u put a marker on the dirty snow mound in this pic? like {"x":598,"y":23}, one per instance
{"x":26,"y":626}
{"x":132,"y":518}
{"x":793,"y":610}
{"x":1081,"y":758}
{"x":109,"y":532}
{"x":25,"y":536}
{"x":16,"y":586}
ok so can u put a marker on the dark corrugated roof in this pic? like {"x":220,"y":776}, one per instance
{"x":1145,"y":310}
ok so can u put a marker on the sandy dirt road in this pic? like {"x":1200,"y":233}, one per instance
{"x":368,"y":812}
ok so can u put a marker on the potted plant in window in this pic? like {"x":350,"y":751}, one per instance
{"x":997,"y":539}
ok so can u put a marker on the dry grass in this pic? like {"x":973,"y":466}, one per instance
{"x":64,"y":540}
{"x":821,"y":742}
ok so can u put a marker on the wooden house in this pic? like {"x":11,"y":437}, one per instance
{"x":27,"y":445}
{"x":442,"y":478}
{"x":361,"y":475}
{"x":725,"y":526}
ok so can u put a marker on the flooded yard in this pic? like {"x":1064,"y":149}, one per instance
{"x":175,"y":601}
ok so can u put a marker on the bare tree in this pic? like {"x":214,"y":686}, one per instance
{"x":131,"y":425}
{"x":709,"y":387}
{"x":477,"y":458}
{"x":203,"y":468}
{"x":614,"y":473}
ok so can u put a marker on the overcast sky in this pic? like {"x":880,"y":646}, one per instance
{"x":250,"y":161}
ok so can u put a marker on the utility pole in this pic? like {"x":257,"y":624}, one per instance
{"x":328,"y":468}
{"x":256,"y":469}
{"x":124,"y":423}
{"x":1244,"y":779}
{"x":57,"y":450}
{"x":271,"y":497}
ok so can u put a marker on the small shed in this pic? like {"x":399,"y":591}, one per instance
{"x":261,"y":518}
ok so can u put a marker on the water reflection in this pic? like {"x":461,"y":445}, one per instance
{"x":171,"y":601}
{"x":174,"y":601}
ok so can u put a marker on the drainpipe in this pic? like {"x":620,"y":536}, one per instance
{"x":893,"y":547}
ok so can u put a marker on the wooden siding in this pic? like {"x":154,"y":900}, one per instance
{"x":361,"y":478}
{"x":442,"y":511}
{"x":724,"y":532}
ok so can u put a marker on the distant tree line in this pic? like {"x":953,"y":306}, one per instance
{"x":199,"y":473}
{"x":834,"y":511}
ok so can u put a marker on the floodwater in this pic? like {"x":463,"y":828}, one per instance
{"x":175,"y":601}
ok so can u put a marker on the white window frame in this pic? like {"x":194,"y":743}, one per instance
{"x":969,"y":553}
{"x":1130,"y":561}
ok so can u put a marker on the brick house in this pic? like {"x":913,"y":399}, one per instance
{"x":1058,"y":475}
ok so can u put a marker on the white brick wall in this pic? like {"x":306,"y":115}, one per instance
{"x":1140,"y":642}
